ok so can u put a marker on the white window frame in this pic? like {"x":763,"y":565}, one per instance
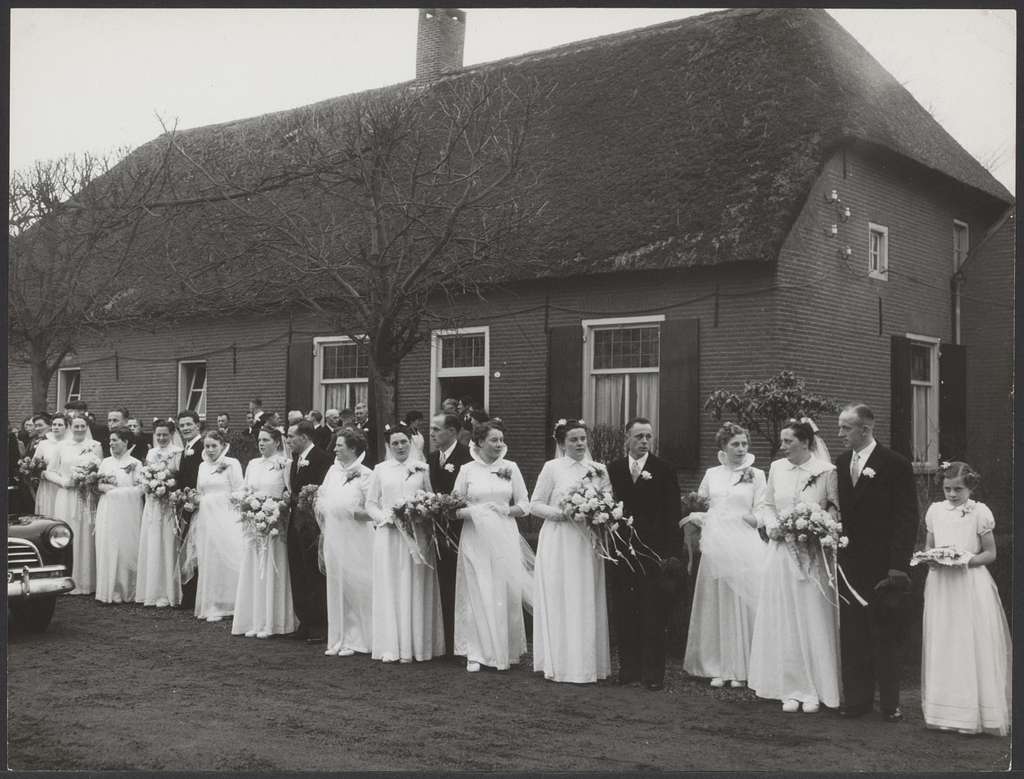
{"x":62,"y":386}
{"x":437,"y":372}
{"x":319,"y":394}
{"x":611,"y":323}
{"x":932,"y":455}
{"x":957,"y":225}
{"x":184,"y":392}
{"x":882,"y":271}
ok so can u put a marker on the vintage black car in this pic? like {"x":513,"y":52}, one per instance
{"x":39,"y":565}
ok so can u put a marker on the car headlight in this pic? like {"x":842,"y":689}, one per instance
{"x":59,"y":536}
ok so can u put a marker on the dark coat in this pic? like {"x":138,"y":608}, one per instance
{"x":314,"y":473}
{"x":322,"y":437}
{"x":188,"y":467}
{"x":653,"y":503}
{"x":879,"y":517}
{"x":442,"y":480}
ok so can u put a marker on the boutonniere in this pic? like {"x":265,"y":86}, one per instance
{"x":746,"y":476}
{"x":302,"y":463}
{"x":449,"y":467}
{"x":220,"y":467}
{"x":646,"y":475}
{"x":275,"y":465}
{"x":351,"y":476}
{"x":810,"y":482}
{"x":503,"y":473}
{"x":967,"y":509}
{"x":413,"y":469}
{"x":596,"y":470}
{"x":129,"y":468}
{"x":868,"y":473}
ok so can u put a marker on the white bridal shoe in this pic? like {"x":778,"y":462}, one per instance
{"x":250,"y":634}
{"x":472,"y":667}
{"x":346,"y":652}
{"x":333,"y":650}
{"x":262,"y":634}
{"x":737,"y":683}
{"x":718,"y":682}
{"x":790,"y":705}
{"x":811,"y":708}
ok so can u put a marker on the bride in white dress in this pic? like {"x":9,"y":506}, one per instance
{"x":214,"y":540}
{"x":493,"y":572}
{"x":794,"y":654}
{"x":48,"y":449}
{"x":78,"y":507}
{"x":263,"y":602}
{"x":406,"y":607}
{"x":158,"y":580}
{"x":732,"y":558}
{"x":348,"y":535}
{"x":118,"y":521}
{"x":570,"y":618}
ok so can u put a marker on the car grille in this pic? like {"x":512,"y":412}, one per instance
{"x":21,"y":553}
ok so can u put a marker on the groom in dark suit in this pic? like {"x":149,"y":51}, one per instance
{"x":649,"y":490}
{"x":309,"y":586}
{"x":188,"y":475}
{"x":878,"y":504}
{"x":446,"y":457}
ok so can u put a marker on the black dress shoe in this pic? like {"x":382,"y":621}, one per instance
{"x":627,"y":679}
{"x":653,"y":686}
{"x":852,"y":712}
{"x":299,"y":635}
{"x":896,"y":715}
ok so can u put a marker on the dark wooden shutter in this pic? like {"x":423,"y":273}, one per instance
{"x":902,"y":398}
{"x":679,"y":393}
{"x":565,"y":375}
{"x":298,"y":387}
{"x":952,"y":402}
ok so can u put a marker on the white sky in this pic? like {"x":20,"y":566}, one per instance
{"x":93,"y":79}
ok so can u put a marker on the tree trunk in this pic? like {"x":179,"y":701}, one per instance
{"x":384,"y":385}
{"x":42,"y":372}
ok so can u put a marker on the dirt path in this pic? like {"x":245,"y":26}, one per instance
{"x":123,"y":687}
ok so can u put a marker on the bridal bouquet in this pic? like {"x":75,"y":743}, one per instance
{"x":805,"y":526}
{"x":184,"y":500}
{"x":87,"y":478}
{"x":611,"y":534}
{"x":694,"y":502}
{"x":943,"y":555}
{"x":262,"y":516}
{"x":306,"y":500}
{"x":31,"y":468}
{"x":425,"y":517}
{"x":159,"y":480}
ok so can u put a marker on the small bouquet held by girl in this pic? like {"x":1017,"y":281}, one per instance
{"x":612,"y":535}
{"x":941,"y":555}
{"x":807,"y":526}
{"x":263,"y":518}
{"x":424,"y":519}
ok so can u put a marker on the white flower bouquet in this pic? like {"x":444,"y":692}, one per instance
{"x":596,"y":511}
{"x":159,"y":480}
{"x":424,"y":518}
{"x":807,"y":526}
{"x":942,"y":555}
{"x":262,"y":516}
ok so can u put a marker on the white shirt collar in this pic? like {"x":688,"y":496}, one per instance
{"x":447,"y":453}
{"x":641,"y":461}
{"x":865,"y":452}
{"x":305,"y":452}
{"x":192,"y":441}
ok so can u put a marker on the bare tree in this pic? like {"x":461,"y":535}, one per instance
{"x":73,"y":224}
{"x":366,"y":210}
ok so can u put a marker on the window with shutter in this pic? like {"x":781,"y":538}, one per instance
{"x":915,"y":399}
{"x":329,"y":372}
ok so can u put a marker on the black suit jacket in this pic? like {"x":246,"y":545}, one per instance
{"x":139,"y":450}
{"x":314,"y":473}
{"x":322,"y":438}
{"x":653,"y":503}
{"x":442,"y":480}
{"x":879,"y":517}
{"x":188,"y":467}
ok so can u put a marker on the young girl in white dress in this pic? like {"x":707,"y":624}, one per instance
{"x":263,"y":602}
{"x":118,"y":522}
{"x":158,"y":577}
{"x":732,"y":558}
{"x":214,"y":542}
{"x":570,"y":615}
{"x":492,"y":575}
{"x":967,"y":653}
{"x":407,"y":623}
{"x":794,"y":652}
{"x":78,"y":507}
{"x":48,"y":449}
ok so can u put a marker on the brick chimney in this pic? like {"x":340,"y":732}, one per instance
{"x":440,"y":40}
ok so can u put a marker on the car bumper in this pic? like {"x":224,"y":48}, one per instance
{"x":36,"y":582}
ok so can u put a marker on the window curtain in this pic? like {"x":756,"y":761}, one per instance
{"x":645,"y":389}
{"x":342,"y":396}
{"x":608,"y":397}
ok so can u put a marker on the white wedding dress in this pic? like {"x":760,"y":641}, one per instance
{"x":407,"y":623}
{"x":118,"y":523}
{"x":348,"y":556}
{"x":263,"y":602}
{"x":728,"y":579}
{"x":570,"y":612}
{"x":215,"y":538}
{"x":794,"y":651}
{"x":491,"y":581}
{"x":46,"y":491}
{"x":158,"y":579}
{"x":78,"y":509}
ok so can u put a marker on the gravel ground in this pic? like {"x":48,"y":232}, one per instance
{"x":125,"y":687}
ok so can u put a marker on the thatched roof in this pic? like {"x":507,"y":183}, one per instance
{"x":689,"y":143}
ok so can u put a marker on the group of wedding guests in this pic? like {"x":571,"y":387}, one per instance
{"x":806,"y":630}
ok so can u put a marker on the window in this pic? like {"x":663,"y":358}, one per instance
{"x":341,"y":369}
{"x":878,"y":251}
{"x":69,"y":385}
{"x":459,"y":361}
{"x":961,"y":243}
{"x":622,"y":359}
{"x":192,"y":386}
{"x":924,"y":402}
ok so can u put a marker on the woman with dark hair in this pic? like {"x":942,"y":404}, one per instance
{"x":570,"y":618}
{"x":158,"y":578}
{"x":263,"y":602}
{"x":732,"y":556}
{"x":407,"y":621}
{"x":214,"y":543}
{"x":492,"y":579}
{"x":794,"y":653}
{"x":48,"y":449}
{"x":118,"y":521}
{"x":347,"y":535}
